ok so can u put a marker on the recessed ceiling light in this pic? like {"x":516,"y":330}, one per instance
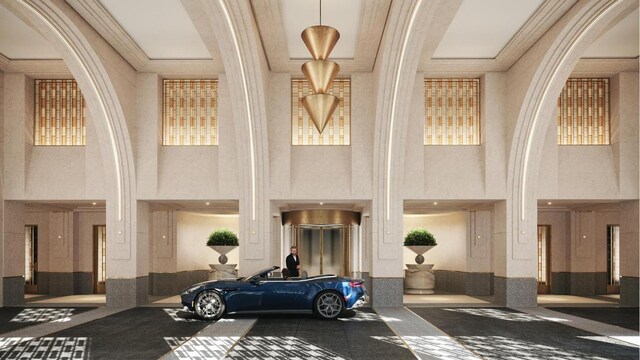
{"x":549,"y":203}
{"x":435,"y":203}
{"x":207,"y":203}
{"x":94,"y":203}
{"x":321,"y":203}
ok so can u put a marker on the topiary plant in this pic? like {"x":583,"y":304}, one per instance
{"x":420,"y":237}
{"x":222,"y":237}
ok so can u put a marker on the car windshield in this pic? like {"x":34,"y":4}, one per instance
{"x":262,"y":273}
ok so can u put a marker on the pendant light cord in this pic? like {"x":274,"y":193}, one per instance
{"x":320,"y":12}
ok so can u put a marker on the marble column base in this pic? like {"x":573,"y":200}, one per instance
{"x":629,"y":291}
{"x":223,"y":271}
{"x":516,"y":292}
{"x":386,"y":292}
{"x":419,"y":279}
{"x":128,"y":292}
{"x":13,"y":291}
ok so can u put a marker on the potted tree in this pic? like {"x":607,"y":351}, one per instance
{"x":222,"y":241}
{"x":420,"y":241}
{"x":419,"y":278}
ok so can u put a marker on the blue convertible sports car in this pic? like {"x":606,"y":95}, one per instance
{"x":325,"y":295}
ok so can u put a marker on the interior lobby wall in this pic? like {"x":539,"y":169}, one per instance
{"x":199,"y":172}
{"x":450,"y":231}
{"x":345,"y":172}
{"x":193,"y":230}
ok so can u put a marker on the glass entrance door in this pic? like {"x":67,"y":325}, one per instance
{"x":322,"y":249}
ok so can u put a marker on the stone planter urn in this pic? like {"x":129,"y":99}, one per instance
{"x":419,"y":278}
{"x":222,"y":270}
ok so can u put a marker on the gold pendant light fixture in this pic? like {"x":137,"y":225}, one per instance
{"x":320,"y":72}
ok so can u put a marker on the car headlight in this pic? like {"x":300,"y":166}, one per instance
{"x":188,"y":291}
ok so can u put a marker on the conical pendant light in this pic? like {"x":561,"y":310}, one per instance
{"x":320,"y":108}
{"x":320,"y":74}
{"x":320,"y":40}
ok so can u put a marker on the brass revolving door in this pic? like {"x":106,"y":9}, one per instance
{"x":324,"y":239}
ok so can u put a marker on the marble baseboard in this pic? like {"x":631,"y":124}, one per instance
{"x":42,"y":278}
{"x":515,"y":292}
{"x":629,"y":291}
{"x":587,"y":283}
{"x":13,"y":291}
{"x":128,"y":292}
{"x":386,"y":292}
{"x":560,"y":283}
{"x":173,"y":283}
{"x":82,"y":283}
{"x":467,"y":283}
{"x":60,"y":283}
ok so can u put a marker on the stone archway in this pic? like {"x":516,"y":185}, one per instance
{"x":534,"y":84}
{"x":409,"y":25}
{"x":105,"y":79}
{"x":232,"y":26}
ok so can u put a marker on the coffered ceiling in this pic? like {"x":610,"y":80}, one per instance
{"x":167,"y":34}
{"x":480,"y":36}
{"x":481,"y":29}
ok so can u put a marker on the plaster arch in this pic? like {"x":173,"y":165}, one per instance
{"x":535,"y":82}
{"x":105,"y":79}
{"x":230,"y":26}
{"x":409,"y":25}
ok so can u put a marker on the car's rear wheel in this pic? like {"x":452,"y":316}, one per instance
{"x":329,"y":305}
{"x":209,"y":305}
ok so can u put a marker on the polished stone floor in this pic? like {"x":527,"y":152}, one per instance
{"x":428,"y":330}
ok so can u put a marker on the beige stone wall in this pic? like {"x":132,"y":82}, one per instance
{"x":192,"y":233}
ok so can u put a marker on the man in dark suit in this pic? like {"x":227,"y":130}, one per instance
{"x":293,"y":262}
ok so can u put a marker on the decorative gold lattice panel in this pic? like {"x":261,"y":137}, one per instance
{"x":583,"y":112}
{"x":189,"y":115}
{"x":60,"y":113}
{"x":452,"y":112}
{"x":338,"y":129}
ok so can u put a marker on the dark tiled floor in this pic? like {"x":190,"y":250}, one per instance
{"x":501,"y":333}
{"x":307,"y":337}
{"x":139,"y":333}
{"x":14,"y":318}
{"x":625,"y":317}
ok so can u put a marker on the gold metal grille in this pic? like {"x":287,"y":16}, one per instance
{"x":452,"y":112}
{"x":338,"y":129}
{"x":60,"y":113}
{"x":189,"y":115}
{"x":583,"y":112}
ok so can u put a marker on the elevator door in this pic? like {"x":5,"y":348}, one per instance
{"x":322,"y":249}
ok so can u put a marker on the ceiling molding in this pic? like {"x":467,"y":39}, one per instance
{"x":545,"y":16}
{"x":604,"y":67}
{"x":539,"y":23}
{"x":268,"y":16}
{"x":4,"y":62}
{"x":104,"y":23}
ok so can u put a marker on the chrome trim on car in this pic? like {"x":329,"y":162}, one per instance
{"x":359,"y":303}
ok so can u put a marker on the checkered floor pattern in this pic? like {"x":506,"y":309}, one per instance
{"x":501,"y":347}
{"x":438,"y":347}
{"x":276,"y":347}
{"x":200,"y":347}
{"x":43,"y":315}
{"x":50,"y":348}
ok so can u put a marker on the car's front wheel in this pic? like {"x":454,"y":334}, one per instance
{"x":209,"y":305}
{"x":329,"y":305}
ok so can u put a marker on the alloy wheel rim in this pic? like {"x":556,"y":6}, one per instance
{"x":329,"y":305}
{"x":208,"y":305}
